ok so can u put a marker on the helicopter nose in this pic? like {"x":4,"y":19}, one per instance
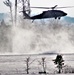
{"x":65,"y":14}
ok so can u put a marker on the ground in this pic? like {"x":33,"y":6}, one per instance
{"x":16,"y":64}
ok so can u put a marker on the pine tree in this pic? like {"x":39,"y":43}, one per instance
{"x":59,"y":62}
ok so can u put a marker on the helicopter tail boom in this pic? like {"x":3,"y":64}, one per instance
{"x":26,"y":15}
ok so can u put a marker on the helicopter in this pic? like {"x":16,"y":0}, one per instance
{"x":53,"y":13}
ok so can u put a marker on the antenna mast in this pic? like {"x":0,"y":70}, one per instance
{"x":26,"y":6}
{"x":15,"y":12}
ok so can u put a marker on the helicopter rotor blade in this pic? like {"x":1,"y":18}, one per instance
{"x":65,"y":7}
{"x":53,"y":7}
{"x":46,"y":7}
{"x":42,"y":7}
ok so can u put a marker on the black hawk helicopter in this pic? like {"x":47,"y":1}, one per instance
{"x":48,"y":14}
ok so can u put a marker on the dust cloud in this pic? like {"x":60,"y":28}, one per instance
{"x":37,"y":37}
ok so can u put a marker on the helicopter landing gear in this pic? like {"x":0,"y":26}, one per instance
{"x":59,"y":18}
{"x":55,"y":17}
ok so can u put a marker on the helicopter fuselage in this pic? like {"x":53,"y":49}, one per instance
{"x":50,"y":14}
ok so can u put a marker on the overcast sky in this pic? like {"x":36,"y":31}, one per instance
{"x":45,"y":3}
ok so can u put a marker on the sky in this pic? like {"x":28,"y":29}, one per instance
{"x":45,"y":3}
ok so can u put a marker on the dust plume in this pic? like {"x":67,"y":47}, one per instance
{"x":34,"y":38}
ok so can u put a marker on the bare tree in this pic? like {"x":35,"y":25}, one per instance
{"x":43,"y":64}
{"x":28,"y":63}
{"x":8,"y":3}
